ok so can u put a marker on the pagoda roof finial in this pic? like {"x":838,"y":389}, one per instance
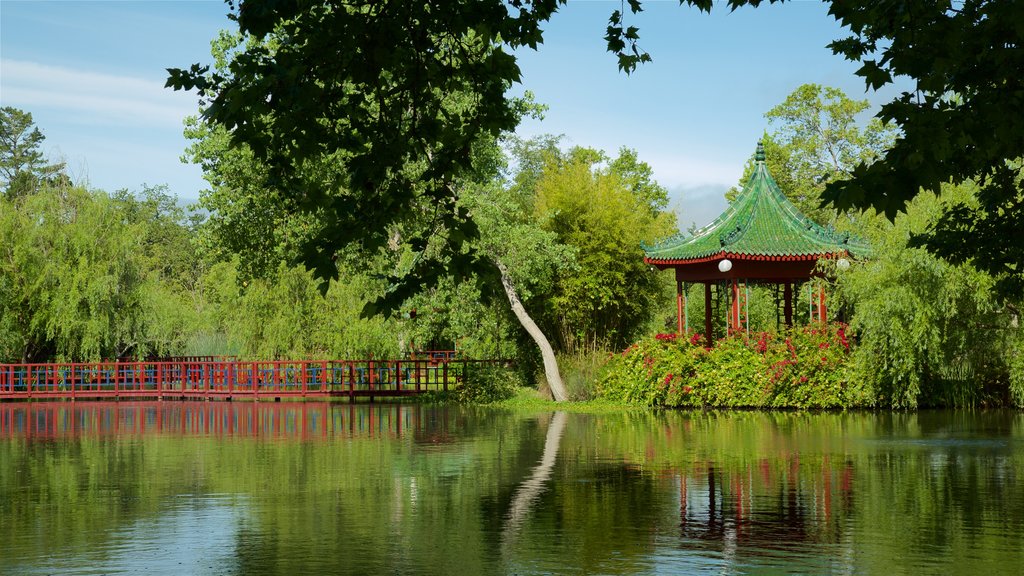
{"x":759,"y":156}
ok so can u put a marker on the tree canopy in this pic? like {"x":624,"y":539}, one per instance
{"x":369,"y":84}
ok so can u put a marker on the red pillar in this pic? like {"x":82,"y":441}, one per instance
{"x":821,"y":305}
{"x":734,"y":315}
{"x":679,"y":307}
{"x":707,"y":313}
{"x":787,"y":296}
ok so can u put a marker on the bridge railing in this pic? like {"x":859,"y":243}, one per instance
{"x":233,"y":378}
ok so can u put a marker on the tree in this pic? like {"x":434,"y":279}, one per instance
{"x":528,"y":260}
{"x":931,"y":332}
{"x":819,"y":141}
{"x":64,"y":289}
{"x":391,"y":108}
{"x":604,"y":210}
{"x":368,"y":84}
{"x":19,"y":143}
{"x":962,"y":122}
{"x":255,"y":213}
{"x":22,"y":165}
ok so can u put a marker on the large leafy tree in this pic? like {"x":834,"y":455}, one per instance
{"x":65,"y":289}
{"x":817,"y":138}
{"x":961,"y":123}
{"x":369,"y":84}
{"x":406,"y":92}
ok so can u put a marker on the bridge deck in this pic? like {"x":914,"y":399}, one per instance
{"x":232,"y":379}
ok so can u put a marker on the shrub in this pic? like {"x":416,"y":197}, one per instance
{"x":484,"y":383}
{"x":800,"y":368}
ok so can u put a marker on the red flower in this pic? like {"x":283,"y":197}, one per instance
{"x":687,"y":389}
{"x":803,"y":378}
{"x":842,"y":338}
{"x":695,"y":340}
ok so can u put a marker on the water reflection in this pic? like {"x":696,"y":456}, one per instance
{"x":240,"y":488}
{"x":289,"y":420}
{"x":527,"y":492}
{"x":194,"y":535}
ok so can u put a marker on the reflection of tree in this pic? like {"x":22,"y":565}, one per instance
{"x":530,"y":489}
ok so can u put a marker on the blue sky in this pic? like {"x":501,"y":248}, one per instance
{"x":92,"y":75}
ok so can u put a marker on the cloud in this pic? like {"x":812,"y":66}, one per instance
{"x":697,"y":205}
{"x":690,"y":171}
{"x":94,"y":98}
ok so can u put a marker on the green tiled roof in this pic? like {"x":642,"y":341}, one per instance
{"x":761,"y":222}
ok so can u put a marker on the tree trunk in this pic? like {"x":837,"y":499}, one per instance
{"x":554,"y":379}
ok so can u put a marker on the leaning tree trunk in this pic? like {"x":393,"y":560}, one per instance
{"x":550,"y":363}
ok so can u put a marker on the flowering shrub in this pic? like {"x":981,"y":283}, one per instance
{"x":801,"y":368}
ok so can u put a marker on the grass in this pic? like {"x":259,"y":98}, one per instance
{"x":531,"y":399}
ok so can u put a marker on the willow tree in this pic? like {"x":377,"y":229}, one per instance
{"x":71,"y":277}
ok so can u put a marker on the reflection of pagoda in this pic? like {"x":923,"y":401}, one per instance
{"x":755,"y":509}
{"x":761,"y":238}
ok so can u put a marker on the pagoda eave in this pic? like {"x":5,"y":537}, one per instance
{"x":774,"y":268}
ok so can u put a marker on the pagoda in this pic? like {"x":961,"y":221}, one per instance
{"x":761,"y":238}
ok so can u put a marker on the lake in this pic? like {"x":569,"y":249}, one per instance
{"x":322,"y":488}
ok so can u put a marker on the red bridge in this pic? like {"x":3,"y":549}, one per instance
{"x":205,"y":378}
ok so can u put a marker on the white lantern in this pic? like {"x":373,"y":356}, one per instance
{"x":843,"y":264}
{"x":725,"y":265}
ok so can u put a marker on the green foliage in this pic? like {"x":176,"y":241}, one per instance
{"x":800,"y":368}
{"x":409,"y":91}
{"x":931,"y":332}
{"x":581,"y":372}
{"x":817,"y":140}
{"x":962,"y":122}
{"x":1015,"y":362}
{"x":975,"y":232}
{"x":287,"y":317}
{"x":370,"y":85}
{"x":486,"y":383}
{"x":603,"y":210}
{"x":65,"y":289}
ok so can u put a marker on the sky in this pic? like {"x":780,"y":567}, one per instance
{"x":92,"y":75}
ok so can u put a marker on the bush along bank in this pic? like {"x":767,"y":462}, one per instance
{"x":808,"y":367}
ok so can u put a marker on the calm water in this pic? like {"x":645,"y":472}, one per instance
{"x":242,"y":488}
